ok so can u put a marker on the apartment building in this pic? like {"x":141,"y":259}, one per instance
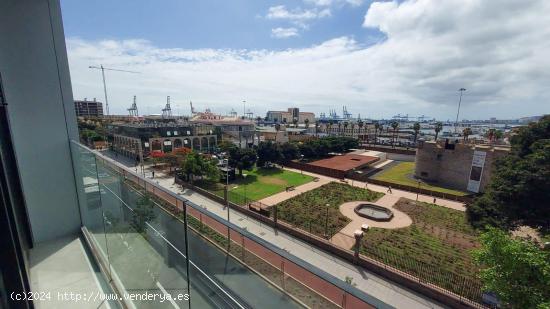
{"x":87,"y":109}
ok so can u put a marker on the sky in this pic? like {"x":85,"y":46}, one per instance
{"x":377,"y":58}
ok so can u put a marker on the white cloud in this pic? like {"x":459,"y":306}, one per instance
{"x":354,"y":3}
{"x":298,"y":16}
{"x":498,"y":51}
{"x":283,"y":33}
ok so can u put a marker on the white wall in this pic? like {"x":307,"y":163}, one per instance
{"x":35,"y":73}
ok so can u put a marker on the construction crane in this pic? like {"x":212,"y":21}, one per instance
{"x":133,"y":110}
{"x":345,"y":113}
{"x":167,"y":110}
{"x":102,"y":68}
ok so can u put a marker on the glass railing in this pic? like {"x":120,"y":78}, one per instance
{"x":161,"y":250}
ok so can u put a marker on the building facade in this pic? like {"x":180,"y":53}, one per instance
{"x":87,"y":108}
{"x":138,"y":140}
{"x":462,"y":166}
{"x":230,"y":128}
{"x":289,"y":116}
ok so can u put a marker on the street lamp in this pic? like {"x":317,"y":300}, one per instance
{"x":418,"y":191}
{"x":301,"y":162}
{"x":326,"y":220}
{"x":244,"y":178}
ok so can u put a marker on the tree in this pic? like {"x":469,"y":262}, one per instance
{"x":466,"y":132}
{"x":437,"y":129}
{"x":289,"y":152}
{"x":258,"y":120}
{"x":416,"y":129}
{"x":277,"y":129}
{"x":142,"y":213}
{"x":316,"y":128}
{"x":226,"y":146}
{"x":376,"y":128}
{"x":268,"y":152}
{"x":519,"y":190}
{"x":394,"y":126}
{"x":242,"y":159}
{"x":295,"y":122}
{"x":195,"y":165}
{"x":360,"y":124}
{"x":517,"y":271}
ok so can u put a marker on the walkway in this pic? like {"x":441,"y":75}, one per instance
{"x":345,"y":239}
{"x":285,"y":195}
{"x":370,"y":283}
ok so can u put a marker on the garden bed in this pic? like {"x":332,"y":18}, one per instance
{"x":308,"y":210}
{"x":436,"y":247}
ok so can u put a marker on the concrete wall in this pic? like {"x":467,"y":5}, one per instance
{"x":35,"y":72}
{"x":451,"y":167}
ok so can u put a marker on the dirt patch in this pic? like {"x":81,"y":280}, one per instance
{"x":272,"y":180}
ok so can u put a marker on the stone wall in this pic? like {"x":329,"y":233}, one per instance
{"x":450,"y":166}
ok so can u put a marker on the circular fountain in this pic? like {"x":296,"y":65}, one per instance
{"x":373,"y":212}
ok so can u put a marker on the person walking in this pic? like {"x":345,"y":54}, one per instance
{"x":389,"y":190}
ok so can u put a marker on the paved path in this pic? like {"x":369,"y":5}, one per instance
{"x":370,"y":283}
{"x":285,"y":195}
{"x":396,"y":193}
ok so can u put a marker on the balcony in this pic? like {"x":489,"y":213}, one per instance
{"x":149,"y":241}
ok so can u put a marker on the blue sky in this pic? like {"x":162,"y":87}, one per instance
{"x":378,"y":58}
{"x":236,"y":24}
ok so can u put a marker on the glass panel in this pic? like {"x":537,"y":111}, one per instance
{"x":166,"y":252}
{"x":89,"y":195}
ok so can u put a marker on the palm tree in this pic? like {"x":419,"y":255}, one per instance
{"x":352,"y":128}
{"x":317,"y":128}
{"x":466,"y":132}
{"x":394,"y":125}
{"x":360,"y":124}
{"x":277,"y":129}
{"x":376,"y":128}
{"x":438,"y":128}
{"x":339,"y":128}
{"x":346,"y":124}
{"x":416,"y":129}
{"x":329,"y":127}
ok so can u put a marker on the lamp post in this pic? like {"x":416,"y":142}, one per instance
{"x":326,"y":220}
{"x":418,"y":191}
{"x":301,"y":160}
{"x":226,"y":161}
{"x":244,"y":178}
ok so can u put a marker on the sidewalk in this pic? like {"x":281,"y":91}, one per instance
{"x":370,"y":283}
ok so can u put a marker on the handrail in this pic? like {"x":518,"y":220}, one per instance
{"x":284,"y":254}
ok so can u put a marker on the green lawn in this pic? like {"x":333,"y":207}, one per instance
{"x":309,"y":211}
{"x":402,"y":174}
{"x":258,"y":184}
{"x":436,"y":247}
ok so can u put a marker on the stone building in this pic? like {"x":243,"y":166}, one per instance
{"x":138,"y":140}
{"x":457,"y":165}
{"x":293,"y":113}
